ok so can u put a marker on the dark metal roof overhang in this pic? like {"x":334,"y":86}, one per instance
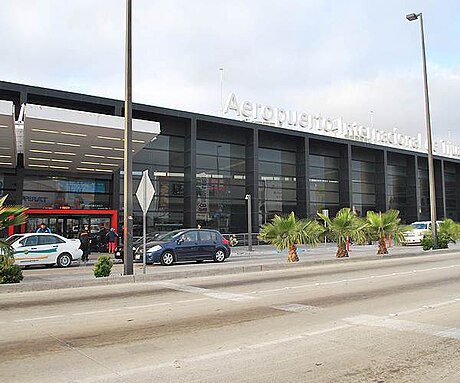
{"x":75,"y":141}
{"x":8,"y":154}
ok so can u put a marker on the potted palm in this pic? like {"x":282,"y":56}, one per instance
{"x":383,"y":225}
{"x":288,"y":232}
{"x":9,"y":216}
{"x":343,"y":226}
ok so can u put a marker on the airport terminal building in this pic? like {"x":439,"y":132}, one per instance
{"x":61,"y":156}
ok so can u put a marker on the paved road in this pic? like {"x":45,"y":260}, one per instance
{"x":262,"y":255}
{"x":393,"y":320}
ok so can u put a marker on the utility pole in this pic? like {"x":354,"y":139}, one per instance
{"x":128,"y":154}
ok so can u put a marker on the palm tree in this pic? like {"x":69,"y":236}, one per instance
{"x":9,"y":216}
{"x":287,"y":232}
{"x":382,"y":225}
{"x":345,"y":225}
{"x":449,"y":230}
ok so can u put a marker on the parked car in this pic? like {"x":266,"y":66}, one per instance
{"x":186,"y":245}
{"x":44,"y":249}
{"x":415,"y":235}
{"x":138,"y":242}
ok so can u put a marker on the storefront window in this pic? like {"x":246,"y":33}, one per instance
{"x":56,"y":192}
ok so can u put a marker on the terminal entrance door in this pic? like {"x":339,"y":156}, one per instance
{"x":69,"y":223}
{"x":69,"y":226}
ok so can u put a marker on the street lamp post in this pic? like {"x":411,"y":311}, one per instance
{"x":413,"y":17}
{"x":248,"y":198}
{"x":127,"y":158}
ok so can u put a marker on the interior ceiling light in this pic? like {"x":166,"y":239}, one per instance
{"x":95,"y":156}
{"x":107,"y":164}
{"x":101,"y":147}
{"x":86,"y":169}
{"x":59,"y":167}
{"x":90,"y":163}
{"x":38,"y":166}
{"x":74,"y":134}
{"x":109,"y":138}
{"x":41,"y":151}
{"x":38,"y":159}
{"x":67,"y":144}
{"x":43,"y":142}
{"x":65,"y":154}
{"x":6,"y":163}
{"x":2,"y":156}
{"x":45,"y":131}
{"x":103,"y":170}
{"x":4,"y":126}
{"x":56,"y":160}
{"x":4,"y":148}
{"x":139,"y":141}
{"x":114,"y":158}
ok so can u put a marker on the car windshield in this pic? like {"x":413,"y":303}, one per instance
{"x":13,"y":239}
{"x":169,"y":236}
{"x":419,"y":226}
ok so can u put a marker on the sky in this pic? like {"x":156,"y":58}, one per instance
{"x":333,"y":57}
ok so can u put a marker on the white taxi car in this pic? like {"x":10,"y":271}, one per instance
{"x":44,"y":249}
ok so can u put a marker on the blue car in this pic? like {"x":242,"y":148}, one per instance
{"x":186,"y":245}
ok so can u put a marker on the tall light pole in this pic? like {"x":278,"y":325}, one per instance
{"x":248,"y":198}
{"x":221,"y":110}
{"x":413,"y":17}
{"x":128,"y":154}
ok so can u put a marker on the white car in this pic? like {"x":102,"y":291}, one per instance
{"x":44,"y":249}
{"x":415,"y":235}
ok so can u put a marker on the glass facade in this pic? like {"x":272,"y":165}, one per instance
{"x":364,"y":179}
{"x":398,"y":174}
{"x":220,"y":185}
{"x":324,"y":179}
{"x":60,"y":192}
{"x":424,"y":189}
{"x":450,"y":179}
{"x":164,"y":159}
{"x":277,"y":183}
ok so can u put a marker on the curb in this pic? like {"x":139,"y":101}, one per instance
{"x":140,"y":278}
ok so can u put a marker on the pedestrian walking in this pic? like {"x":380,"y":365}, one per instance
{"x":112,"y":239}
{"x":85,"y":243}
{"x":43,"y":228}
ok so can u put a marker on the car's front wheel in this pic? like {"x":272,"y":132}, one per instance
{"x":64,"y":260}
{"x":167,"y":258}
{"x":219,"y":256}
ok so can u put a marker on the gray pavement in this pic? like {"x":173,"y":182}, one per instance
{"x":262,"y":258}
{"x":385,"y":320}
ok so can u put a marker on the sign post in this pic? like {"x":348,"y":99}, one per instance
{"x":144,"y":194}
{"x":325,"y":212}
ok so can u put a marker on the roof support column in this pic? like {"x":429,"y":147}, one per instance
{"x":190,"y":174}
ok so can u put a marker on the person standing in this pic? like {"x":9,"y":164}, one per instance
{"x":43,"y":228}
{"x":112,"y":239}
{"x":85,"y":243}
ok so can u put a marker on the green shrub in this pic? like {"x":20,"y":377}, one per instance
{"x":427,"y":242}
{"x":443,"y":241}
{"x":103,"y":266}
{"x":10,"y":273}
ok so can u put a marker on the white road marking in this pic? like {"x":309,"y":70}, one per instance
{"x":294,"y":307}
{"x":403,"y":325}
{"x":96,"y":312}
{"x":147,"y":306}
{"x":207,"y":292}
{"x":350,"y":280}
{"x":212,"y":355}
{"x":39,"y":318}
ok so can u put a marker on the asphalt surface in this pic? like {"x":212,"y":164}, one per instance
{"x":384,"y":320}
{"x":260,"y":256}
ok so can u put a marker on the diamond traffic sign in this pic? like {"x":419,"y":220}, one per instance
{"x":145,"y":191}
